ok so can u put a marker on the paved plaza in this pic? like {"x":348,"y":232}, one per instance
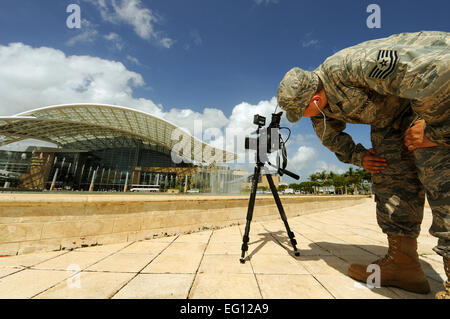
{"x":206,"y":264}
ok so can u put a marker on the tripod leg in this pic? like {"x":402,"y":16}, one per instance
{"x":251,"y":206}
{"x":282,"y":214}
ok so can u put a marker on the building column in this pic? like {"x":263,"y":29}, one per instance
{"x":52,"y":187}
{"x":91,"y":187}
{"x":125,"y":187}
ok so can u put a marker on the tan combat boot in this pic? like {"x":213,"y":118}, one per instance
{"x":399,"y":268}
{"x":445,"y":294}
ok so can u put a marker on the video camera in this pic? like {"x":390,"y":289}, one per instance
{"x":270,"y":136}
{"x":269,"y":140}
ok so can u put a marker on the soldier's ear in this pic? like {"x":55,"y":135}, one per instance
{"x":312,"y":109}
{"x":321,"y":98}
{"x":316,"y":100}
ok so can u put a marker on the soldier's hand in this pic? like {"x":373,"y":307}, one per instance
{"x":415,"y":137}
{"x":372,"y":163}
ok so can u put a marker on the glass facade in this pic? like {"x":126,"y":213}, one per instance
{"x":108,"y":169}
{"x":12,"y":165}
{"x":18,"y":162}
{"x":112,"y":169}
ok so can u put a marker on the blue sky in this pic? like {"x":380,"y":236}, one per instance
{"x":208,"y":54}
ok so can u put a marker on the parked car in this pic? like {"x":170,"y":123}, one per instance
{"x":288,"y":191}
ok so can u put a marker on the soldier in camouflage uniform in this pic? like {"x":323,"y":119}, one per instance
{"x":400,"y":86}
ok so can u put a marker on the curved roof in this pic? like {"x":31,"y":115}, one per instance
{"x":100,"y":126}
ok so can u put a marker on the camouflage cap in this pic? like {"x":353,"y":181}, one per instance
{"x":295,"y":91}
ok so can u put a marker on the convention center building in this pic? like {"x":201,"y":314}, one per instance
{"x":96,"y":147}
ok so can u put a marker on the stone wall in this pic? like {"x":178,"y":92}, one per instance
{"x":46,"y":222}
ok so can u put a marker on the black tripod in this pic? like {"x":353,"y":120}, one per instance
{"x":251,"y":204}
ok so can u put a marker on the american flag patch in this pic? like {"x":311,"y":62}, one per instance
{"x":386,"y":63}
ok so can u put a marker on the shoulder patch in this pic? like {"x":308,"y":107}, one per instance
{"x":386,"y":62}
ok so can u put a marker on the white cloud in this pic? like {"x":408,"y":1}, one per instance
{"x":37,"y":77}
{"x":112,"y":36}
{"x":302,"y":158}
{"x":310,"y":43}
{"x":241,"y":118}
{"x":116,"y":40}
{"x":88,"y":34}
{"x":133,"y":60}
{"x":166,"y":42}
{"x":210,"y":118}
{"x":324,"y":166}
{"x":133,"y":13}
{"x":302,"y":139}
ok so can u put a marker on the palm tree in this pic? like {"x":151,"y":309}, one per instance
{"x":353,"y":179}
{"x":331,"y":179}
{"x":322,"y":175}
{"x":314,"y":179}
{"x":339,"y":182}
{"x":307,"y":187}
{"x":364,"y":177}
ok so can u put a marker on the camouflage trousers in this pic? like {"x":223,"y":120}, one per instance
{"x":433,"y":165}
{"x":400,"y":188}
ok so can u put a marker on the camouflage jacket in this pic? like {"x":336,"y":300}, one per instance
{"x":375,"y":81}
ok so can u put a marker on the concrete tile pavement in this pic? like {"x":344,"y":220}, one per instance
{"x":93,"y":285}
{"x":225,"y":286}
{"x":206,"y":264}
{"x":157,"y":286}
{"x":292,"y":287}
{"x":28,"y":283}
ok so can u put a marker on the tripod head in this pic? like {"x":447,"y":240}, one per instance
{"x":269,"y":140}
